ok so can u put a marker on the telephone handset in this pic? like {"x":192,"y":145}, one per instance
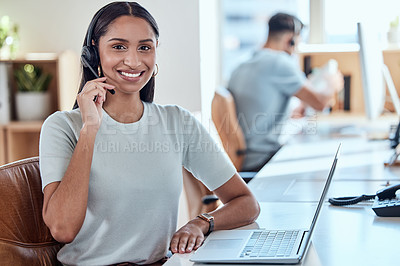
{"x":395,"y":138}
{"x":386,"y":203}
{"x":388,"y":192}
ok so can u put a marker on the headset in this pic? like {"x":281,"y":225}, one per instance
{"x":296,"y":30}
{"x":90,"y":56}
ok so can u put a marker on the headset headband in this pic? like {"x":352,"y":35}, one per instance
{"x":92,"y":25}
{"x":296,"y":26}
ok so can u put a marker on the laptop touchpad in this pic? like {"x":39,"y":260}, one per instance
{"x":224,"y":244}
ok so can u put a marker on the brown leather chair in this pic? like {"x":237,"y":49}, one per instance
{"x":223,"y":112}
{"x":24,"y":237}
{"x":197,"y":194}
{"x":200,"y":199}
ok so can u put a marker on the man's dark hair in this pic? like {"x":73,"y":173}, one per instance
{"x":281,"y":23}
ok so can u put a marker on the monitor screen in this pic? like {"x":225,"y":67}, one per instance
{"x":371,"y":62}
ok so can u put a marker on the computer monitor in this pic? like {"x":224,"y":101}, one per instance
{"x":374,"y":73}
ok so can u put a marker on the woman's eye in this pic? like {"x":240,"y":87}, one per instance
{"x":144,"y":48}
{"x":119,"y":47}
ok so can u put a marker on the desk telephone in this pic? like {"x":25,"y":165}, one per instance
{"x":386,"y":203}
{"x":394,"y":138}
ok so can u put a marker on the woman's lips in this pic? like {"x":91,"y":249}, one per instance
{"x":130,"y":75}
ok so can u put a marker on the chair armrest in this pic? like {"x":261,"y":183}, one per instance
{"x":247,"y":176}
{"x":208,"y":199}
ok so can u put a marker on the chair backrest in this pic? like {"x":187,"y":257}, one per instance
{"x":24,"y":237}
{"x":223,"y":111}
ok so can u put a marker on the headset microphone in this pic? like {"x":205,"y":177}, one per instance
{"x":86,"y":64}
{"x":90,"y":56}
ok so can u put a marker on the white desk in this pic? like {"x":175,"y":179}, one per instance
{"x":290,"y":184}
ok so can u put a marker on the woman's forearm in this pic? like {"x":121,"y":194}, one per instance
{"x":66,"y":206}
{"x":240,"y":211}
{"x":240,"y":206}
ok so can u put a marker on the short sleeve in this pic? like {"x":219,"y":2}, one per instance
{"x":288,"y":77}
{"x":203,"y":156}
{"x":56,"y":146}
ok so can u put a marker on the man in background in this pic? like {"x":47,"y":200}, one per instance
{"x":264,"y":85}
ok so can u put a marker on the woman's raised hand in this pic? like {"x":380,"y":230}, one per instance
{"x":90,"y":101}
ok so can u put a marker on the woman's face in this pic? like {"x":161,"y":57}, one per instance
{"x":128,"y":53}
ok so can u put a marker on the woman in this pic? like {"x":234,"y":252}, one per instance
{"x":112,"y":168}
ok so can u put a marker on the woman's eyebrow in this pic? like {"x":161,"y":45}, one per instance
{"x":118,"y":39}
{"x":124,"y":40}
{"x":147,"y":40}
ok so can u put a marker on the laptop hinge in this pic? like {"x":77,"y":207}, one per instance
{"x":301,"y":242}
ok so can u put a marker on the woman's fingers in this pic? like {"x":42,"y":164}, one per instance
{"x":101,"y":82}
{"x":92,"y":92}
{"x":96,"y":89}
{"x":97,"y":84}
{"x":191,"y":243}
{"x":183,"y":241}
{"x":188,"y":238}
{"x":199,"y":242}
{"x":186,"y":243}
{"x":91,"y":100}
{"x":174,"y":244}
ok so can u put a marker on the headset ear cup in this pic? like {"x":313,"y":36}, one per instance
{"x":90,"y":56}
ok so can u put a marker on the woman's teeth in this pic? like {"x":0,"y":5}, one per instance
{"x":130,"y":75}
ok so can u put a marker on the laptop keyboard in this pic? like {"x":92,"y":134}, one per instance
{"x":270,"y":244}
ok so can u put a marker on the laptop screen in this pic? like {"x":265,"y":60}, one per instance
{"x":325,"y":191}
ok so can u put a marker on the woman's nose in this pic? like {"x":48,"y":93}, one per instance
{"x":132,"y":59}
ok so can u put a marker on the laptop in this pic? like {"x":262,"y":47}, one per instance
{"x":261,"y":245}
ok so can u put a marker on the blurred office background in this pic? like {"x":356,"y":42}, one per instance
{"x":334,"y":22}
{"x":201,"y":41}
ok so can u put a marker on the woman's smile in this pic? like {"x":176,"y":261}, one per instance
{"x":130,"y":75}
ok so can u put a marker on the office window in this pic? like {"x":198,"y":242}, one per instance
{"x":341,"y":17}
{"x":244,"y":27}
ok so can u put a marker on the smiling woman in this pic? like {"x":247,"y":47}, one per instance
{"x":128,"y":60}
{"x":108,"y":200}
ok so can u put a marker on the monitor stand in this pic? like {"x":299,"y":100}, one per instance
{"x":392,"y":89}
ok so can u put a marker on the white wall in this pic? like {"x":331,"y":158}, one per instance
{"x":210,"y":67}
{"x":178,"y":80}
{"x":55,"y":26}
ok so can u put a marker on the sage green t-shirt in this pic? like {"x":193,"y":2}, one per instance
{"x":135,"y":180}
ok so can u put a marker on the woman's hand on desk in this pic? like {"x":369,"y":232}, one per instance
{"x":189,"y":237}
{"x":240,"y":208}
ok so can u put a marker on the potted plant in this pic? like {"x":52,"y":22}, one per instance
{"x":32,"y":98}
{"x":393,"y":33}
{"x":9,"y":40}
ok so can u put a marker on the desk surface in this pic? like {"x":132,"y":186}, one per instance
{"x":288,"y":189}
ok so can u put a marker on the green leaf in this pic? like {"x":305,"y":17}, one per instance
{"x":35,"y":80}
